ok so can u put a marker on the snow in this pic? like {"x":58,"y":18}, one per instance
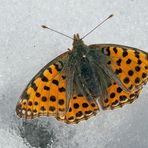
{"x":25,"y":48}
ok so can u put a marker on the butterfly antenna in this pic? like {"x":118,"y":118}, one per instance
{"x":97,"y":26}
{"x":45,"y":27}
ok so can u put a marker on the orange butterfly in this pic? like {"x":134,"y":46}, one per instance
{"x":71,"y":86}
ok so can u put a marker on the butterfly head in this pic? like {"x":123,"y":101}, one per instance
{"x":79,"y":48}
{"x":77,"y":41}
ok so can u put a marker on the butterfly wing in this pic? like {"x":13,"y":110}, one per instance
{"x":46,"y":95}
{"x":80,"y":108}
{"x":128,"y":69}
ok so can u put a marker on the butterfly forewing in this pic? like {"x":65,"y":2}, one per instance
{"x":130,"y":65}
{"x":43,"y":93}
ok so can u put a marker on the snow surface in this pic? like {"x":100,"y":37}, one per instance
{"x":25,"y":48}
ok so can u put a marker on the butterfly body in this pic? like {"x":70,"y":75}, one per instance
{"x":86,"y":70}
{"x":70,"y":86}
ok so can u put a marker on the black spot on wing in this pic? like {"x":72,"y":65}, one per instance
{"x":106,"y":51}
{"x":76,"y":105}
{"x":30,"y":103}
{"x":130,"y":73}
{"x":46,"y":88}
{"x":79,"y":114}
{"x":33,"y":85}
{"x":61,"y":101}
{"x":128,"y":61}
{"x":118,"y":71}
{"x":125,"y":53}
{"x":63,"y":77}
{"x":137,"y":54}
{"x":50,"y":70}
{"x":112,"y":95}
{"x":85,"y":105}
{"x":62,"y":89}
{"x":144,"y":75}
{"x":119,"y":62}
{"x":44,"y":99}
{"x":56,"y":82}
{"x":42,"y":108}
{"x":44,"y":79}
{"x":115,"y":50}
{"x":137,"y":80}
{"x":126,"y":80}
{"x":52,"y":98}
{"x":38,"y":94}
{"x":52,"y":108}
{"x":139,"y":61}
{"x":119,"y":90}
{"x":137,"y":68}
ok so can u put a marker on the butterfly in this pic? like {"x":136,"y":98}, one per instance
{"x":77,"y":84}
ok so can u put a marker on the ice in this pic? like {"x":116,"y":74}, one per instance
{"x":25,"y":48}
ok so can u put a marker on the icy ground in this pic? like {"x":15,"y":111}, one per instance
{"x":25,"y":48}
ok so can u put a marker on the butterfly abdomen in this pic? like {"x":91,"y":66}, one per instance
{"x":88,"y":76}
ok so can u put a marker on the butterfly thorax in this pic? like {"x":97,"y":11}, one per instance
{"x":86,"y":75}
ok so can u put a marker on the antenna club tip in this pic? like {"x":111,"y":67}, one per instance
{"x":43,"y":26}
{"x":111,"y":15}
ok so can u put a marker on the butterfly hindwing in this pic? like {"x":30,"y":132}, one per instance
{"x":117,"y":97}
{"x":80,"y":108}
{"x":45,"y":95}
{"x":130,"y":65}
